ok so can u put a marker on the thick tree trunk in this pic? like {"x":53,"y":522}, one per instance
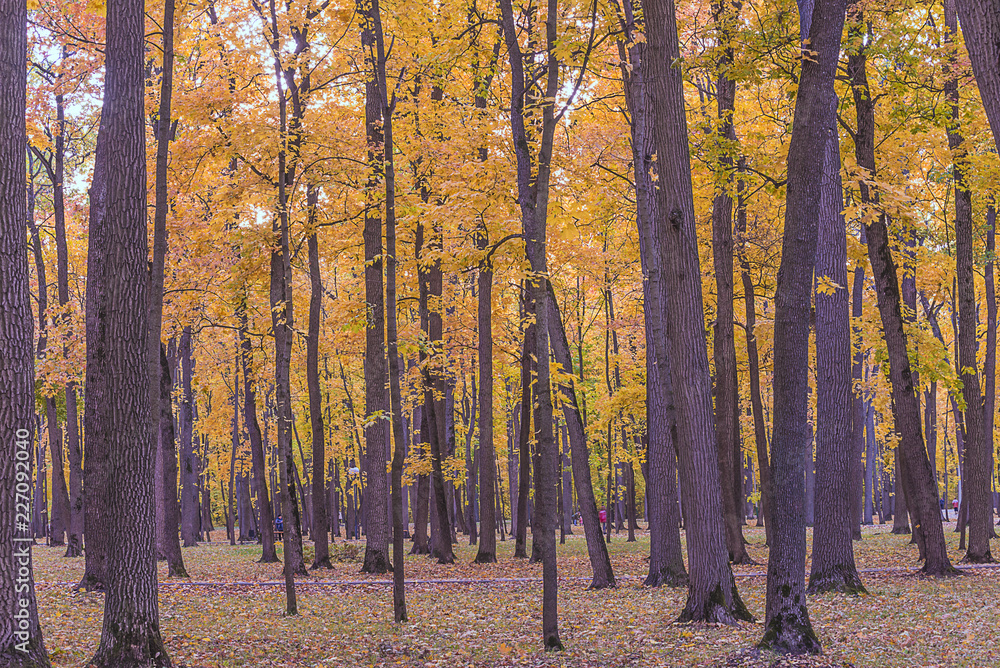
{"x":789,"y":629}
{"x":21,"y":644}
{"x":117,"y":403}
{"x":978,"y":458}
{"x":833,"y":566}
{"x":712,"y":593}
{"x":666,"y":562}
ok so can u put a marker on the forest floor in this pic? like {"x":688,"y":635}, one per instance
{"x":231,"y":616}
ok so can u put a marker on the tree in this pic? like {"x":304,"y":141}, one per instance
{"x":916,"y":472}
{"x":978,"y":458}
{"x":727,"y":424}
{"x":21,"y":643}
{"x":533,"y":182}
{"x":833,"y":567}
{"x":376,"y":398}
{"x":666,"y":562}
{"x":161,"y":384}
{"x":789,"y":629}
{"x":712,"y":593}
{"x":117,"y":388}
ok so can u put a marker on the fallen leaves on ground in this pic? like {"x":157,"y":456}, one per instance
{"x":905,"y":620}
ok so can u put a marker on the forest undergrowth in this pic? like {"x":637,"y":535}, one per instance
{"x":905,"y":620}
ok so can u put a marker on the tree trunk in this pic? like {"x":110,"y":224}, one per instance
{"x":159,"y":370}
{"x":861,"y":488}
{"x":906,"y":408}
{"x":282,"y":324}
{"x":168,"y":540}
{"x":422,"y":486}
{"x":259,"y":478}
{"x":21,"y":644}
{"x":753,"y":359}
{"x":789,"y":629}
{"x":231,"y":500}
{"x":712,"y":593}
{"x":666,"y":563}
{"x":59,"y":518}
{"x":978,"y":458}
{"x":118,"y":384}
{"x":833,"y":567}
{"x":990,"y":363}
{"x":727,"y":424}
{"x":524,"y":438}
{"x":533,"y":198}
{"x":597,"y":550}
{"x":376,"y":397}
{"x":190,"y":516}
{"x":395,"y":395}
{"x":319,"y":518}
{"x":487,"y":553}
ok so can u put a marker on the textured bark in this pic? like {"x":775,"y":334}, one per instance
{"x":117,"y":403}
{"x":258,"y":462}
{"x":981,"y":27}
{"x":789,"y":629}
{"x":833,"y":566}
{"x":666,"y":562}
{"x":978,"y":457}
{"x":21,"y":643}
{"x":727,"y":423}
{"x":712,"y":593}
{"x":319,"y":508}
{"x":168,"y":542}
